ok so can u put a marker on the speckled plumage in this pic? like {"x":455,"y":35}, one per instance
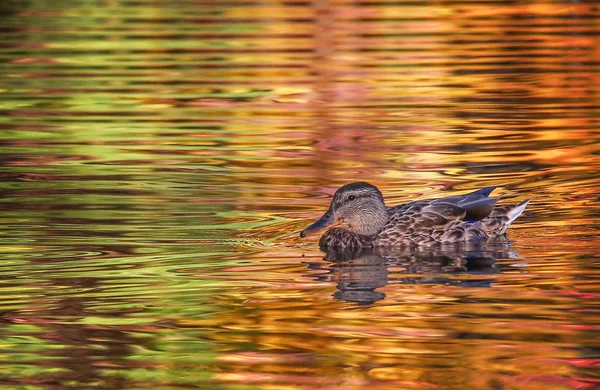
{"x":471,"y":217}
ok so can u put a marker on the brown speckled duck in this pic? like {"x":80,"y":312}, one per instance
{"x":365,"y":221}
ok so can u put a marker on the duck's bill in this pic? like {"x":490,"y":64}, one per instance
{"x":326,"y":221}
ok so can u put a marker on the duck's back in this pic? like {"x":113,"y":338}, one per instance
{"x":469,"y":217}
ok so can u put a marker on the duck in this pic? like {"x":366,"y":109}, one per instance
{"x":359,"y":218}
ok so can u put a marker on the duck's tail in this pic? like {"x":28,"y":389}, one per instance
{"x":501,"y":218}
{"x":516,"y":210}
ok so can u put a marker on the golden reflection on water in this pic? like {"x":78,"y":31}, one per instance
{"x":159,"y":160}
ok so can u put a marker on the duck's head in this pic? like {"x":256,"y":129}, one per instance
{"x":359,"y":206}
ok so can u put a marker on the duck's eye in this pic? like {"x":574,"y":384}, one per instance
{"x":351,"y":197}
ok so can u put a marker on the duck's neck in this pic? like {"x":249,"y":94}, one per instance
{"x":370,"y":222}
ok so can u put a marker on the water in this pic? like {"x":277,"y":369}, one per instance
{"x":160,"y":158}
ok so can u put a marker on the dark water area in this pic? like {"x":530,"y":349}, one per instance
{"x":158,"y":160}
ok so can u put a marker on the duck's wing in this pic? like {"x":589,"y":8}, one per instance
{"x":452,"y":219}
{"x":465,"y":199}
{"x":477,"y":204}
{"x":473,"y":206}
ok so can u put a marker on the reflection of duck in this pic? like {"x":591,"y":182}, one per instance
{"x":368,"y":222}
{"x":359,"y":273}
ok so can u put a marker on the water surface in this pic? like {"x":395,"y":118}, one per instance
{"x":160,"y":158}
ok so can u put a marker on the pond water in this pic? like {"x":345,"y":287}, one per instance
{"x":160,"y":158}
